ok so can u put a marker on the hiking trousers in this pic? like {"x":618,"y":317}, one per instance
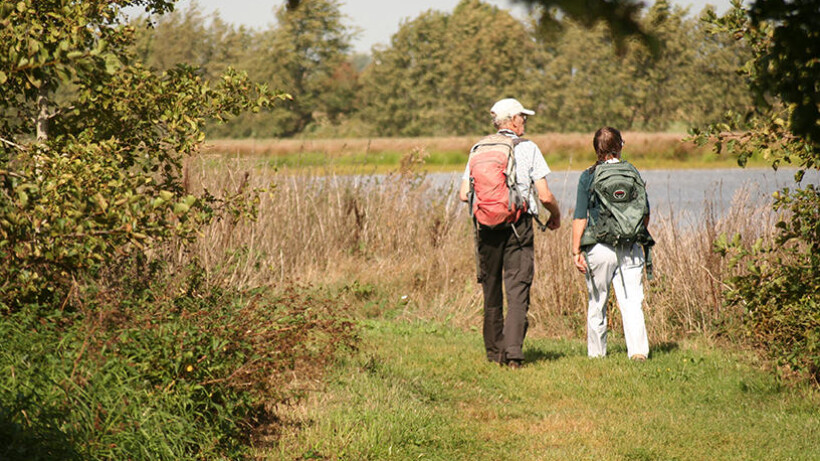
{"x":506,"y":261}
{"x":622,"y":268}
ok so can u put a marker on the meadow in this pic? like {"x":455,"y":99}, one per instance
{"x":400,"y":251}
{"x":422,"y":390}
{"x":561,"y":150}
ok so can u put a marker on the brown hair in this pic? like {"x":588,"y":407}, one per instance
{"x":607,"y":141}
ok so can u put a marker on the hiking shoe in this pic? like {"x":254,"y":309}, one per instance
{"x":638,"y":358}
{"x":515,"y":364}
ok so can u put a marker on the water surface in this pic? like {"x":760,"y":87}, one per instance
{"x":681,"y":193}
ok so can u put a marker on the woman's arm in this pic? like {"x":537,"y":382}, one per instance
{"x":578,"y":226}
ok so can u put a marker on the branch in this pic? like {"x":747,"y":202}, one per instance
{"x":60,"y":111}
{"x":11,"y":174}
{"x":12,"y":144}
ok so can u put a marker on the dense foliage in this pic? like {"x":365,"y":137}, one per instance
{"x":422,"y":84}
{"x":104,"y":180}
{"x":115,"y":346}
{"x":159,"y":376}
{"x":779,"y":284}
{"x":443,"y":69}
{"x":307,"y":53}
{"x":689,"y":78}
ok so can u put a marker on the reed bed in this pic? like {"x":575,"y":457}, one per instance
{"x":404,"y":247}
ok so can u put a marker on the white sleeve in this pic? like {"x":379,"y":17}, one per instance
{"x":540,"y":169}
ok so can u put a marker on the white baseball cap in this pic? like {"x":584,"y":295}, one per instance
{"x":508,"y":108}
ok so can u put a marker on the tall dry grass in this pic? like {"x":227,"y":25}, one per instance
{"x":409,"y":246}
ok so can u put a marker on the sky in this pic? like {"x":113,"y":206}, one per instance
{"x":376,"y":20}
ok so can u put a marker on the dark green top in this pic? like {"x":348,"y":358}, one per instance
{"x":582,"y":196}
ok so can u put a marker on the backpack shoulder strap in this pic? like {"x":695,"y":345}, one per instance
{"x":631,"y":167}
{"x":592,"y":170}
{"x":494,"y":140}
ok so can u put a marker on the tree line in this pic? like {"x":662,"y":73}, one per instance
{"x":441,"y":71}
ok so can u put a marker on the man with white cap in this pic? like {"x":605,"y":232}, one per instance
{"x":506,"y":253}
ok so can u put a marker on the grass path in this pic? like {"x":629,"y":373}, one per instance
{"x":423,"y":391}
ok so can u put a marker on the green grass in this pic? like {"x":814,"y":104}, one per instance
{"x":382,"y":161}
{"x":385,"y":162}
{"x":424,"y":391}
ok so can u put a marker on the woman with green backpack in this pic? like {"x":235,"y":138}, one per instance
{"x":610,"y":243}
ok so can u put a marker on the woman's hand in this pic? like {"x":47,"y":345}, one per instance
{"x":580,"y":262}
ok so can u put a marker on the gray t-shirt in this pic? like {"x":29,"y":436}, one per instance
{"x":530,"y":166}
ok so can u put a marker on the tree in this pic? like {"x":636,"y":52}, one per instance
{"x":690,"y":78}
{"x":660,"y":80}
{"x":423,"y":84}
{"x":779,"y":283}
{"x":93,"y":198}
{"x":305,"y":52}
{"x":103,"y":182}
{"x":584,"y":85}
{"x":188,"y":37}
{"x":400,"y":85}
{"x":179,"y":37}
{"x":489,"y":63}
{"x":712,"y":84}
{"x":582,"y":82}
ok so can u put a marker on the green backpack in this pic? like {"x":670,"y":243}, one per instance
{"x":619,"y":194}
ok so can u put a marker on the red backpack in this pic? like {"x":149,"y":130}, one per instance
{"x":495,"y":200}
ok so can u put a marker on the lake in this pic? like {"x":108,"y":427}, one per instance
{"x":681,"y":193}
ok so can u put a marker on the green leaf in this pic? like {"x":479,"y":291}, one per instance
{"x":37,"y":83}
{"x":101,"y":201}
{"x":112,"y":64}
{"x":181,"y":208}
{"x":3,"y":77}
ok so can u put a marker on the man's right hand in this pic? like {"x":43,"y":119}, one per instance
{"x":554,"y":222}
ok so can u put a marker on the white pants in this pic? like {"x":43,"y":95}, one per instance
{"x":623,"y":268}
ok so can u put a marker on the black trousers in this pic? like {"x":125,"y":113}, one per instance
{"x":506,"y":256}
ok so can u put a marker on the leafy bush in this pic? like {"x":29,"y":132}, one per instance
{"x":152,"y":376}
{"x":114,"y":347}
{"x":779,"y":285}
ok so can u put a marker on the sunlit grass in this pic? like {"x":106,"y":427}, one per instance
{"x":563,"y":151}
{"x":422,"y":390}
